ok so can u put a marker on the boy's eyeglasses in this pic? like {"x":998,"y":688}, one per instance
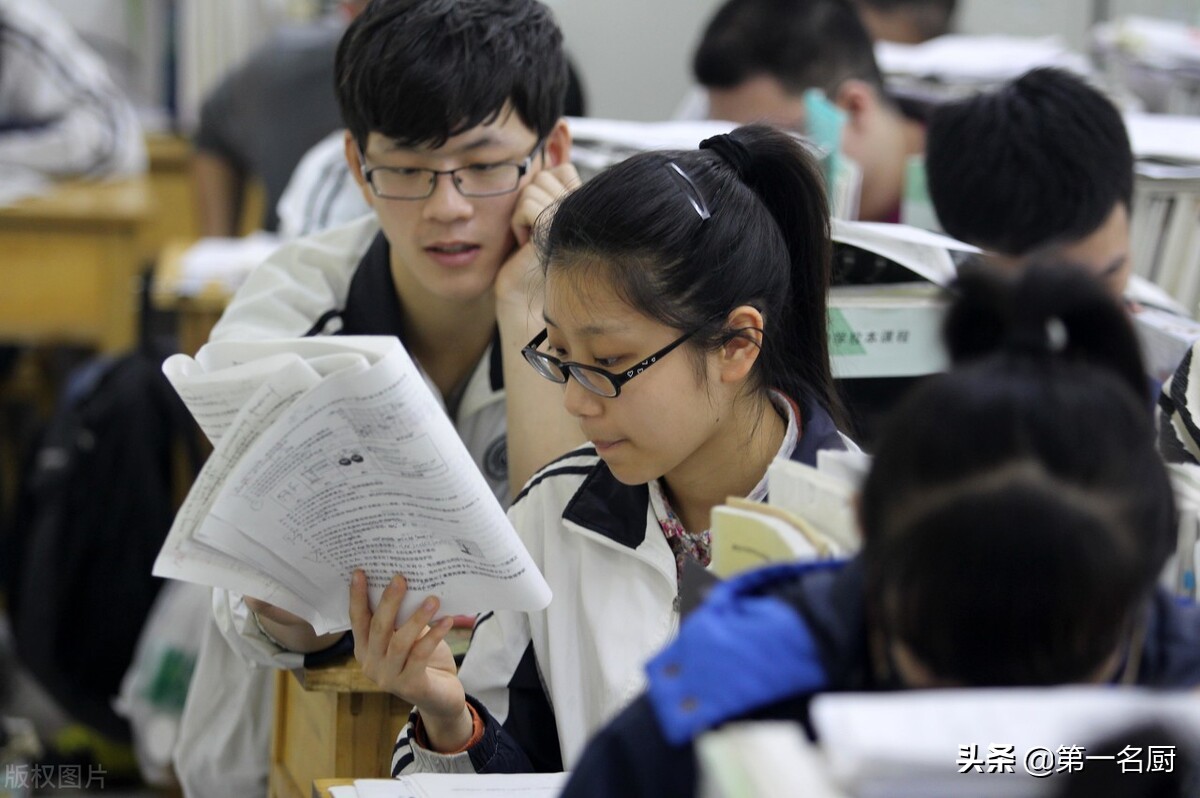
{"x":473,"y":180}
{"x":593,"y":378}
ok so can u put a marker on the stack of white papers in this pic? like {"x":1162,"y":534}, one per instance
{"x":927,"y":742}
{"x":1163,"y":137}
{"x":1153,"y":41}
{"x":222,"y":264}
{"x":597,"y":143}
{"x":332,"y":454}
{"x":976,"y":60}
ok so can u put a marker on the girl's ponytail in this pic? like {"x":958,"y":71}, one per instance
{"x":784,"y":176}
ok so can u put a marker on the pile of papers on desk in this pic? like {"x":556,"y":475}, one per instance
{"x":1158,"y":60}
{"x":1010,"y":742}
{"x":887,"y":304}
{"x":223,"y":264}
{"x":956,"y":65}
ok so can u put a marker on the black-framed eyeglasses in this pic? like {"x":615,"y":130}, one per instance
{"x":472,"y":180}
{"x":593,"y":378}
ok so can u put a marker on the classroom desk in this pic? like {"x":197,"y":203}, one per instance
{"x":330,"y":722}
{"x":321,"y":787}
{"x":173,"y":189}
{"x":69,"y":262}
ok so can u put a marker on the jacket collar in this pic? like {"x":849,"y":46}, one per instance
{"x":617,"y":511}
{"x":373,"y":306}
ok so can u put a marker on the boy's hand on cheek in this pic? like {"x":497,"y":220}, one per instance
{"x":412,"y":661}
{"x":542,"y":192}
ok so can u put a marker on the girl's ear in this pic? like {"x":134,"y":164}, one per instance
{"x":740,"y":352}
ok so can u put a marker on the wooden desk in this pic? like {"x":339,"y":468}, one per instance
{"x":321,"y":787}
{"x":331,"y":722}
{"x":173,"y":189}
{"x":69,"y":262}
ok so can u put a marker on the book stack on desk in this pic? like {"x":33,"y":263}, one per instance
{"x":809,"y":516}
{"x":948,"y":743}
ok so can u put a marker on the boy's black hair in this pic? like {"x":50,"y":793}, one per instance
{"x":802,"y":43}
{"x":1042,"y":160}
{"x":421,"y":71}
{"x":931,"y":18}
{"x":765,"y":243}
{"x":1017,"y":514}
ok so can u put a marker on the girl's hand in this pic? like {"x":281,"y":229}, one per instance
{"x":413,"y":661}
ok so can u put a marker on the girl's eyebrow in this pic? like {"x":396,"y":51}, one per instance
{"x":589,"y":329}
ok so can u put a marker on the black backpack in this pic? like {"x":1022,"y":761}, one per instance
{"x":92,"y":512}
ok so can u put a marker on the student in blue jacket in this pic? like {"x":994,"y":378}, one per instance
{"x":1015,"y":521}
{"x":686,"y":321}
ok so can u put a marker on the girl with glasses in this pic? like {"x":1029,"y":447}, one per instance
{"x":686,"y":321}
{"x":1015,"y":522}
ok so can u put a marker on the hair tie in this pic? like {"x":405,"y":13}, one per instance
{"x":733,"y":152}
{"x":1045,"y":339}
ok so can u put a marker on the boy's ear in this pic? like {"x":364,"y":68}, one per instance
{"x":739,"y":353}
{"x":355,"y":163}
{"x":858,"y":99}
{"x":558,"y":144}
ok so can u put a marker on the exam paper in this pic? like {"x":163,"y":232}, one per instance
{"x":332,"y":455}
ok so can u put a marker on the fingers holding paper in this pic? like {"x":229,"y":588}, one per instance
{"x":411,"y":660}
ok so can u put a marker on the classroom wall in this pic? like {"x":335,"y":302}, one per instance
{"x":634,"y":56}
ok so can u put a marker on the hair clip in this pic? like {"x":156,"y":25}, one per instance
{"x":689,"y":190}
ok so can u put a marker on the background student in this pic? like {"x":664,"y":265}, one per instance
{"x":1039,"y":168}
{"x":906,"y":21}
{"x":1015,"y":521}
{"x":262,"y":117}
{"x":454,"y":171}
{"x":758,"y":57}
{"x":685,"y":319}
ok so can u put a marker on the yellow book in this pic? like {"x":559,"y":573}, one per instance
{"x":747,"y":535}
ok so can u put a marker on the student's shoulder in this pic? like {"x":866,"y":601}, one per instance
{"x":560,"y":477}
{"x":287,"y":293}
{"x":754,"y":643}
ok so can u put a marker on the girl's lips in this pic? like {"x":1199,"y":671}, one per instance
{"x":604,"y":446}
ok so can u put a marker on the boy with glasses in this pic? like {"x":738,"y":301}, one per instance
{"x":455,"y":136}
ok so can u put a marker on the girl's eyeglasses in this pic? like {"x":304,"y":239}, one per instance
{"x":595,"y":379}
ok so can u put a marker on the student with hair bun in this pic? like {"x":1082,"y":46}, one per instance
{"x":686,"y":321}
{"x":1014,"y":523}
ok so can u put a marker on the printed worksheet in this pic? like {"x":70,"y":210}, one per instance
{"x":332,"y":455}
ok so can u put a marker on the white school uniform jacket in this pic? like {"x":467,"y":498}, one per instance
{"x":339,"y":282}
{"x":544,"y":682}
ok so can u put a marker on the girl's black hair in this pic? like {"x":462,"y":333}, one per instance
{"x":1017,"y":514}
{"x":765,"y":243}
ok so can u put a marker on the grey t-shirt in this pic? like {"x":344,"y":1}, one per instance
{"x":269,"y":111}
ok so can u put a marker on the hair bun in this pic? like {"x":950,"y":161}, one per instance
{"x":1049,"y":310}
